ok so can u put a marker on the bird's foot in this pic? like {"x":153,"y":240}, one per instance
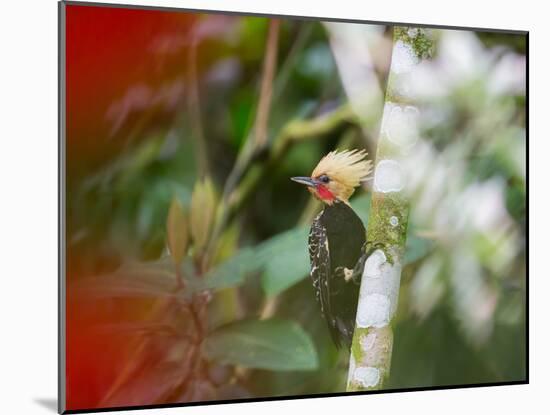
{"x":352,"y":274}
{"x":345,"y":273}
{"x":356,"y":272}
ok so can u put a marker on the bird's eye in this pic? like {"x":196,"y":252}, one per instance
{"x":324,"y":178}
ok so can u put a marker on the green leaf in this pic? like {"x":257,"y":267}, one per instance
{"x":231,"y":272}
{"x":150,"y":386}
{"x":285,"y":260}
{"x":203,"y":209}
{"x":132,"y":280}
{"x":263,"y":344}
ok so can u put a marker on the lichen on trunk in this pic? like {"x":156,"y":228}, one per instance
{"x":371,"y":349}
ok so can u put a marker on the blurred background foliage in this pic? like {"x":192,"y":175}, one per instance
{"x":187,"y":243}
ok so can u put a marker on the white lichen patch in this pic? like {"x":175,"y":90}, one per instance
{"x":403,"y":58}
{"x":379,"y":291}
{"x":367,"y":377}
{"x":400,"y":124}
{"x":373,"y":311}
{"x":367,"y":342}
{"x":389,"y":177}
{"x":394,"y":221}
{"x":351,"y":368}
{"x":373,"y":265}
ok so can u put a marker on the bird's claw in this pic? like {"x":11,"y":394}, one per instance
{"x":356,"y":273}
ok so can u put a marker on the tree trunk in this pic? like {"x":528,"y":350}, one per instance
{"x":371,"y":349}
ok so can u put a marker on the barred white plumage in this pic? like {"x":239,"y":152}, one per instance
{"x":320,"y":259}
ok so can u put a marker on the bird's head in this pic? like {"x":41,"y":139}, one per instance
{"x":337,"y":175}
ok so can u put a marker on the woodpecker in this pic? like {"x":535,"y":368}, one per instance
{"x":337,"y":239}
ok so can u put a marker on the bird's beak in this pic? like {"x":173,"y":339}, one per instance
{"x":308,"y":181}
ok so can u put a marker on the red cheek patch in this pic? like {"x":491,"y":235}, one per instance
{"x":324,"y":193}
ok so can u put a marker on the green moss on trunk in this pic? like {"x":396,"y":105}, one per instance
{"x":388,"y":220}
{"x":420,"y":40}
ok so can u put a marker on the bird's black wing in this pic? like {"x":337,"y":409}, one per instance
{"x":345,"y":234}
{"x":320,"y":273}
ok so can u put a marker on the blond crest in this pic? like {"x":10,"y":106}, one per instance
{"x":348,"y":168}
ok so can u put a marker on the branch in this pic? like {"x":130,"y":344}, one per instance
{"x":258,"y":142}
{"x":371,"y":348}
{"x":293,"y":132}
{"x":266,"y":89}
{"x":252,"y":146}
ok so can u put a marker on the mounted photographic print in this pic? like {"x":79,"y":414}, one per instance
{"x":272,"y":207}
